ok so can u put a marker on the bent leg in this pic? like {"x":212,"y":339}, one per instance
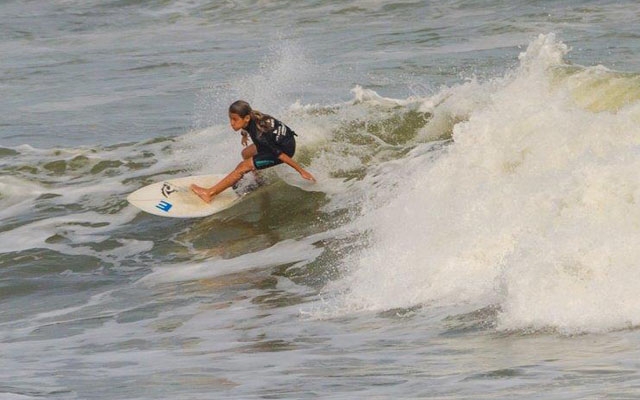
{"x":249,"y":152}
{"x":207,"y":194}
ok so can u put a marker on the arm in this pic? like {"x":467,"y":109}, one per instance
{"x":289,"y":161}
{"x":245,"y":138}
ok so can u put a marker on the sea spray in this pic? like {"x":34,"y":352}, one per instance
{"x":533,"y":208}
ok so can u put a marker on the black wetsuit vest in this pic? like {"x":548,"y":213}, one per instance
{"x":279,"y":139}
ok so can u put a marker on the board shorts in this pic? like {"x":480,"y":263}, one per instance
{"x":265,"y":159}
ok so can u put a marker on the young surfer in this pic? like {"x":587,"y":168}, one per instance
{"x":273,"y":143}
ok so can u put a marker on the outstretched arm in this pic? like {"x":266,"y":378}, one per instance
{"x":289,"y":161}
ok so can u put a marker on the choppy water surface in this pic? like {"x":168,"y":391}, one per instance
{"x":474,"y":232}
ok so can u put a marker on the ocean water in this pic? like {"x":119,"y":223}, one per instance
{"x":474,"y":232}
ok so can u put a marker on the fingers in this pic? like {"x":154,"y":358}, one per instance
{"x":308,"y":177}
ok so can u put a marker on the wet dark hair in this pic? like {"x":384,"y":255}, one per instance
{"x":264,"y":122}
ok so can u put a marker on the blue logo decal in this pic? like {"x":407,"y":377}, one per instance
{"x":164,"y":206}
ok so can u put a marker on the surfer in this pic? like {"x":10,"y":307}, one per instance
{"x":273,"y":143}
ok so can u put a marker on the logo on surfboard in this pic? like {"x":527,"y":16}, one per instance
{"x":164,"y":206}
{"x":167,"y":189}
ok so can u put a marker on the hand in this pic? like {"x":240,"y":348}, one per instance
{"x":245,"y":140}
{"x":306,"y":175}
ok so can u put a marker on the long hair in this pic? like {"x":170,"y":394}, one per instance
{"x":264,"y":122}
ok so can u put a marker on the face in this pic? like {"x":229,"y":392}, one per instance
{"x":237,"y":122}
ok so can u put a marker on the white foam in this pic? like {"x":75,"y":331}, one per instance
{"x":15,"y":194}
{"x":94,"y":300}
{"x":283,"y":252}
{"x":534,"y":208}
{"x":88,"y":227}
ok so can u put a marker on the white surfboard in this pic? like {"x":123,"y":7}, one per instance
{"x":173,"y":198}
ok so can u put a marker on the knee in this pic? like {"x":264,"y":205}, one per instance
{"x":248,"y":152}
{"x":245,"y":166}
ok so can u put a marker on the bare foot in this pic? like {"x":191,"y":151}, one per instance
{"x":202,"y":193}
